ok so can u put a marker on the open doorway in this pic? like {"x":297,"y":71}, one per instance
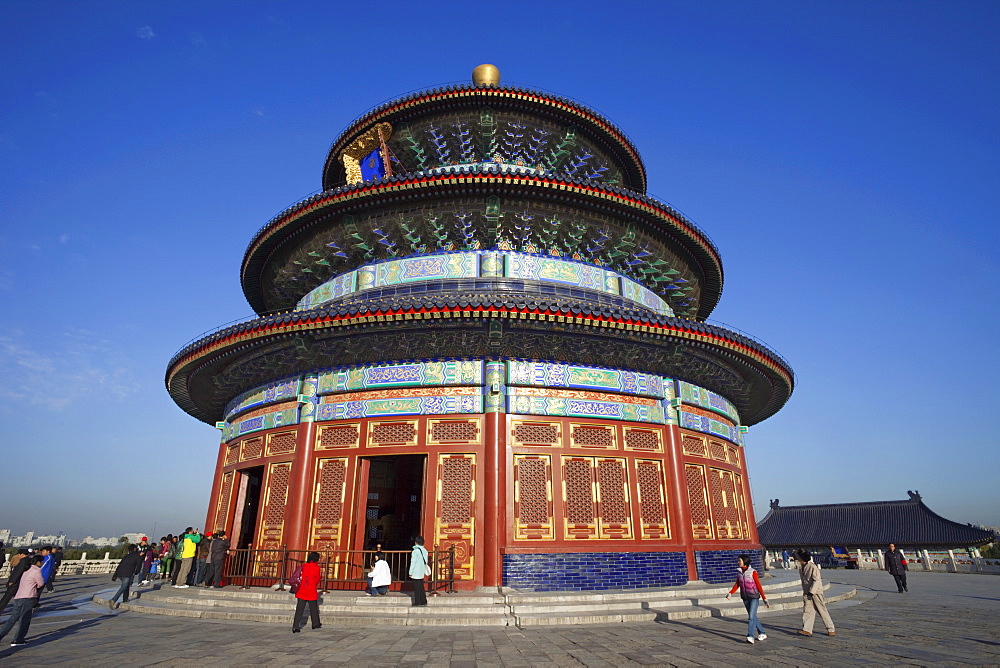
{"x":248,"y":506}
{"x":395,"y":494}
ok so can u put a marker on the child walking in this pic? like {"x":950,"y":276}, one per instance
{"x":752,"y":594}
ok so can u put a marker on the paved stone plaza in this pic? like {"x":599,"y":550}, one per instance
{"x":946,"y":619}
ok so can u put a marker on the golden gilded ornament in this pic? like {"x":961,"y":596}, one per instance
{"x":486,"y":75}
{"x":362,"y":146}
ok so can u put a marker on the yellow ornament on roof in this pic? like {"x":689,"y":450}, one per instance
{"x":486,"y":75}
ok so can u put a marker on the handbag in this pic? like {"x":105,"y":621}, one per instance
{"x":295,"y":579}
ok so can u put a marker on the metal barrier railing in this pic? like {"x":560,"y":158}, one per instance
{"x":342,"y":570}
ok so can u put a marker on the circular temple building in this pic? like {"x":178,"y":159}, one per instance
{"x":483,"y":331}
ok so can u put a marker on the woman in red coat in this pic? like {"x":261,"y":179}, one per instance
{"x":308,"y":592}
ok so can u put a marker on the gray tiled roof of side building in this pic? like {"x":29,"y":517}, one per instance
{"x":907,"y":523}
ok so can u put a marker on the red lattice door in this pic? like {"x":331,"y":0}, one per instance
{"x":725,"y":505}
{"x":455,"y":522}
{"x":272,"y":521}
{"x":596,"y":498}
{"x":533,"y":498}
{"x":701,"y":514}
{"x":579,"y":498}
{"x":613,"y":504}
{"x":327,"y":529}
{"x":653,"y":516}
{"x":222,"y":506}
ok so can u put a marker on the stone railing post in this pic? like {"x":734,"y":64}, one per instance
{"x":952,"y":564}
{"x":881,"y":559}
{"x":927,"y":560}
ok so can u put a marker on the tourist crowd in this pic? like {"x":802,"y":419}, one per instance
{"x":188,"y":559}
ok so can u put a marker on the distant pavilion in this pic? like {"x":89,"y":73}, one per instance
{"x":867,"y":526}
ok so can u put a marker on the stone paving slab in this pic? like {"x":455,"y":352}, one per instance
{"x":945,"y":619}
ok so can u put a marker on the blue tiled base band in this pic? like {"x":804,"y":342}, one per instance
{"x":594,"y":570}
{"x":719,"y":566}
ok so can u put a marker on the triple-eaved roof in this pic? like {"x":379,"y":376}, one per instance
{"x":907,"y":523}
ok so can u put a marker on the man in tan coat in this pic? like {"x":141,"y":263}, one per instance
{"x":813,"y":600}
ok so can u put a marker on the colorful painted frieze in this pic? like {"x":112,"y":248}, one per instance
{"x":496,"y":388}
{"x":450,"y":265}
{"x":541,"y":268}
{"x":547,"y":374}
{"x":699,"y":396}
{"x":280,"y":390}
{"x":474,"y":264}
{"x":708,"y":425}
{"x":568,"y":403}
{"x":307,"y":410}
{"x":646,"y":297}
{"x":282,"y":418}
{"x":344,"y":407}
{"x":335,"y":288}
{"x":413,"y":374}
{"x":491,"y":264}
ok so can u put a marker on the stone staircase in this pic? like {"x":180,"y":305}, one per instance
{"x":478,"y":608}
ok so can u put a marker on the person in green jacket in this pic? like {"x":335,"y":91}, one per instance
{"x":418,"y":570}
{"x":189,"y":548}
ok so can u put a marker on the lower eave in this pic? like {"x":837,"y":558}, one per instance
{"x":770,"y":370}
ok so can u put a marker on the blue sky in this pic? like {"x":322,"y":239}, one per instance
{"x":842,"y":155}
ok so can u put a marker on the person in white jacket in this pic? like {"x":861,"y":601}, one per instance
{"x":379,"y":578}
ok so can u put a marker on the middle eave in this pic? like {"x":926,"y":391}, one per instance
{"x":659,"y":218}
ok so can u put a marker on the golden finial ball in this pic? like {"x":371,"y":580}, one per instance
{"x":486,"y":75}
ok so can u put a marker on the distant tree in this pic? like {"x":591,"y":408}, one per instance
{"x":123,"y":539}
{"x":991,"y":551}
{"x":119,"y":551}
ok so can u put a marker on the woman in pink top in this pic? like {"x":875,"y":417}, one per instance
{"x":752,"y":594}
{"x":24,"y":601}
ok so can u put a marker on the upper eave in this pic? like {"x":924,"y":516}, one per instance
{"x":467,"y":95}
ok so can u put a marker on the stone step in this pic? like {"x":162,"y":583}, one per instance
{"x":735,"y":609}
{"x":477,"y":608}
{"x":408,"y":616}
{"x":772,"y":596}
{"x":595,"y":607}
{"x":198,"y":595}
{"x":466,"y":605}
{"x":668,"y":612}
{"x":546,"y":619}
{"x":686,"y":591}
{"x":612,"y":603}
